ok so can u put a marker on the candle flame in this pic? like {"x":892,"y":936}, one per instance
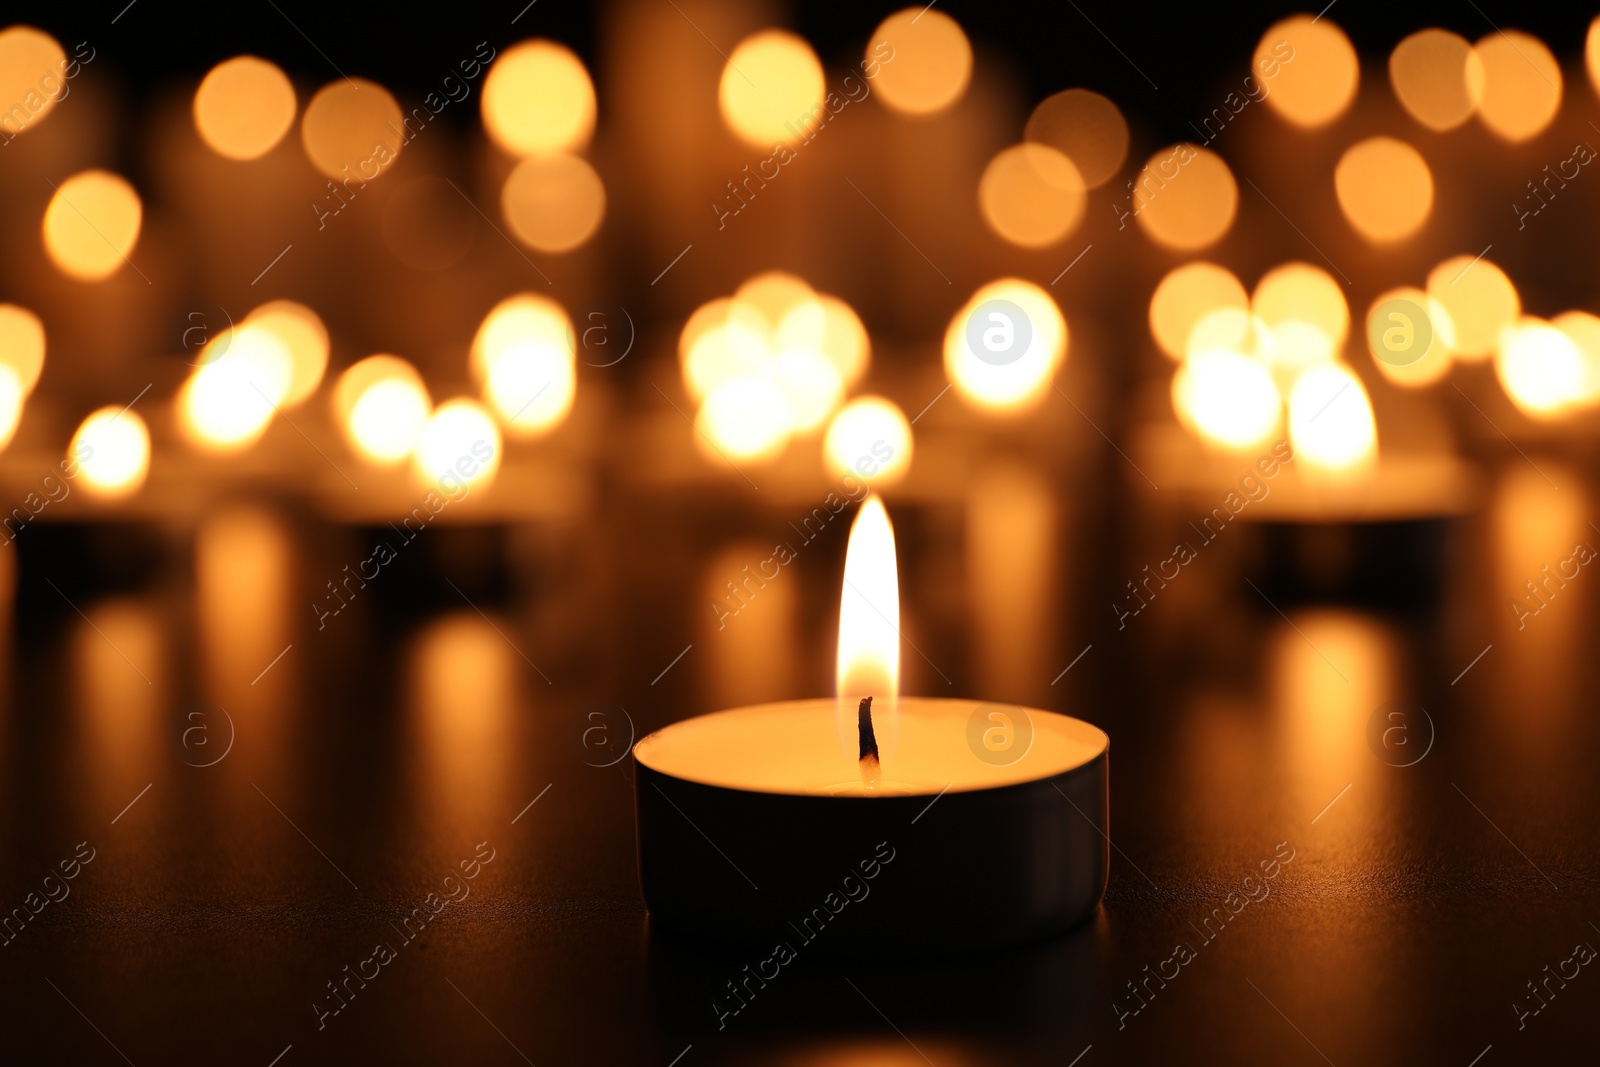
{"x":869,"y":631}
{"x":1331,"y":424}
{"x":1541,"y":368}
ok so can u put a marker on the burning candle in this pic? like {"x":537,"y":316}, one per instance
{"x":761,"y":818}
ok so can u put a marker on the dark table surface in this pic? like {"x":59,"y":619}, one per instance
{"x":438,"y":717}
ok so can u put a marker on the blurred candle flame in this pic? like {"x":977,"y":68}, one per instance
{"x":227,"y":404}
{"x":112,"y":448}
{"x":1541,"y":368}
{"x":1331,"y":425}
{"x":1025,"y":336}
{"x":1228,"y":398}
{"x":382,"y":405}
{"x":21,"y":344}
{"x":525,"y":354}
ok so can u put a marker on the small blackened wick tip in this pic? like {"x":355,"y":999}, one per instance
{"x":869,"y":740}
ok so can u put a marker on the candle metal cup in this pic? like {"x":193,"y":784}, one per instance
{"x":999,"y":859}
{"x":1380,"y":539}
{"x":1376,"y":537}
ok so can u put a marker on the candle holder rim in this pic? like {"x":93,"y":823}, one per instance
{"x":1100,"y":742}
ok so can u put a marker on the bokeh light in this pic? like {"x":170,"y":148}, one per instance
{"x":381,"y":406}
{"x":1228,"y":398}
{"x":1385,"y":188}
{"x":525,"y":355}
{"x":1480,"y":300}
{"x":1316,"y":70}
{"x":537,"y":98}
{"x":31,"y":63}
{"x":301,"y":331}
{"x":243,"y":107}
{"x":1521,"y":85}
{"x":1309,"y":294}
{"x":844,"y":339}
{"x":1437,"y":77}
{"x":871,"y":439}
{"x":775,"y":332}
{"x":553,"y":203}
{"x":1185,"y":197}
{"x":352,"y":129}
{"x":1185,"y":296}
{"x":1031,"y":195}
{"x":459,"y":445}
{"x":932,"y":61}
{"x":772,"y":89}
{"x":708,"y":354}
{"x":92,"y":224}
{"x":1026,"y":339}
{"x":810,"y":383}
{"x":532,"y":385}
{"x":229,"y":400}
{"x":1435,"y":362}
{"x":735,"y":347}
{"x":12,"y":398}
{"x":773,"y":294}
{"x":1591,"y":53}
{"x":831,"y":327}
{"x":112,"y":450}
{"x":705,"y":319}
{"x":1086,"y":127}
{"x":21,"y":345}
{"x":1230,"y":329}
{"x":1331,"y":426}
{"x":1584,"y":331}
{"x":1291,"y":347}
{"x":744,"y":418}
{"x":520,"y":317}
{"x":1540,"y":367}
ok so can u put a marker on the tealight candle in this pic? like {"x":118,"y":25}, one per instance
{"x":969,"y":824}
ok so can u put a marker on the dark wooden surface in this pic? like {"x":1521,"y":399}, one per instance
{"x":381,"y":751}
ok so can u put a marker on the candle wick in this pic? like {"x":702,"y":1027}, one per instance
{"x":870,"y":767}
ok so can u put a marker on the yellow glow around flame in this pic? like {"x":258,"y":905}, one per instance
{"x":869,"y":631}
